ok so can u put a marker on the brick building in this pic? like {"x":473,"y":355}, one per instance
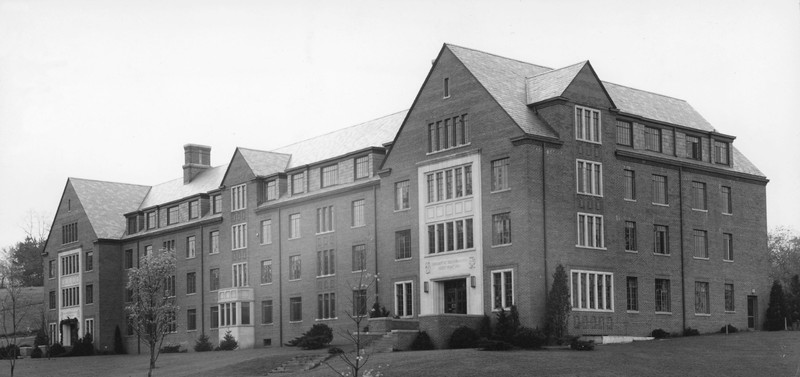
{"x":500,"y":171}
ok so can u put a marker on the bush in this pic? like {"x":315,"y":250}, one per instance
{"x":57,"y":349}
{"x":582,"y":345}
{"x":485,"y":328}
{"x":119,"y":347}
{"x":529,"y":338}
{"x":659,"y":334}
{"x":10,"y":351}
{"x":335,"y":351}
{"x":422,"y":342}
{"x":203,"y":344}
{"x":728,"y":329}
{"x":171,"y":348}
{"x":507,"y":324}
{"x":41,"y":338}
{"x":776,"y":311}
{"x":37,"y":353}
{"x":463,"y":337}
{"x":82,"y":347}
{"x":690,"y":332}
{"x":317,"y":337}
{"x":228,"y":342}
{"x":378,"y":311}
{"x":495,"y":345}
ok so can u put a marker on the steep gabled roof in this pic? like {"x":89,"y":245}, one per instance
{"x":552,"y":84}
{"x":374,"y":133}
{"x":656,"y":107}
{"x":264,"y":163}
{"x":505,"y":80}
{"x":169,"y":191}
{"x":106,"y":203}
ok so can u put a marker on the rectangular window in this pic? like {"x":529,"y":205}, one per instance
{"x":693,"y":148}
{"x":238,"y":197}
{"x":661,"y":239}
{"x":69,"y":233}
{"x":727,"y":246}
{"x":362,"y":167}
{"x":446,"y":87}
{"x":624,"y":133}
{"x":630,"y":236}
{"x":295,"y":309}
{"x":501,"y":229}
{"x":194,"y":209}
{"x":240,"y":275}
{"x":214,"y":248}
{"x":191,"y":319}
{"x":357,"y":211}
{"x":191,"y":283}
{"x":329,"y":175}
{"x":169,"y":286}
{"x":132,"y":224}
{"x":191,"y":247}
{"x":325,"y":219}
{"x":266,"y":271}
{"x":589,"y":177}
{"x":699,"y":196}
{"x":173,"y":215}
{"x":591,"y":233}
{"x":88,"y":326}
{"x":168,"y":245}
{"x":70,"y":264}
{"x":727,"y":203}
{"x":151,"y":220}
{"x":729,"y":301}
{"x":294,"y":267}
{"x":70,"y":297}
{"x":129,"y":258}
{"x":587,"y":125}
{"x":298,"y":183}
{"x":239,"y":236}
{"x":630,"y":184}
{"x":53,"y":299}
{"x":450,"y":133}
{"x":294,"y":226}
{"x":89,"y":261}
{"x":326,"y":306}
{"x":660,"y":190}
{"x":359,"y":258}
{"x":502,"y":289}
{"x":214,"y":316}
{"x":721,"y":153}
{"x":450,"y":236}
{"x":326,"y":263}
{"x":700,"y":238}
{"x":632,"y":293}
{"x":592,"y":291}
{"x":652,"y":139}
{"x":449,"y":183}
{"x":701,"y":299}
{"x":403,"y":299}
{"x":272,"y":190}
{"x":402,"y":244}
{"x":500,"y":174}
{"x":217,"y":203}
{"x":213,"y":278}
{"x":266,"y":312}
{"x":662,"y":297}
{"x":401,"y":195}
{"x":245,"y":306}
{"x":51,"y":267}
{"x":359,"y":302}
{"x":89,"y":294}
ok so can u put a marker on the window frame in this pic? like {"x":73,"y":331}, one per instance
{"x":699,"y":196}
{"x":589,"y":177}
{"x":694,"y":147}
{"x":594,"y":130}
{"x":630,"y":237}
{"x":632,"y":294}
{"x":239,"y":197}
{"x":729,"y":298}
{"x":402,"y":195}
{"x":213,"y":279}
{"x":399,"y":236}
{"x":406,"y":308}
{"x":266,"y":272}
{"x":727,"y":200}
{"x":358,"y":212}
{"x":359,"y":258}
{"x":213,"y":240}
{"x":577,"y":299}
{"x":702,"y":298}
{"x":664,"y":299}
{"x":191,"y":319}
{"x":326,"y":306}
{"x":298,"y":183}
{"x":173,"y":215}
{"x":294,"y":226}
{"x":194,"y":209}
{"x":88,"y":294}
{"x":326,"y":263}
{"x":329,"y":175}
{"x":325,"y":220}
{"x":295,"y":309}
{"x":191,"y":283}
{"x":501,"y":229}
{"x":267,"y":319}
{"x":295,"y":272}
{"x":265,"y":237}
{"x":438,"y":235}
{"x":626,"y":131}
{"x":659,"y":229}
{"x":503,"y":289}
{"x":722,"y":152}
{"x":500,"y":168}
{"x":359,"y":163}
{"x":630,"y":184}
{"x":653,"y":135}
{"x":660,"y":186}
{"x":239,"y":236}
{"x":727,"y":247}
{"x":191,"y":247}
{"x":239,"y":274}
{"x":584,"y":234}
{"x":700,"y":244}
{"x":88,"y":261}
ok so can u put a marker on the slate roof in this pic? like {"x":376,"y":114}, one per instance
{"x":505,"y":80}
{"x":169,"y":191}
{"x":106,"y":203}
{"x":551,"y":84}
{"x":264,"y":163}
{"x":369,"y":134}
{"x":656,"y":107}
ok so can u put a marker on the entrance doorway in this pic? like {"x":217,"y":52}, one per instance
{"x":752,"y":312}
{"x":69,"y":332}
{"x":455,"y":296}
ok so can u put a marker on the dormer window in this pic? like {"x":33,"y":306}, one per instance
{"x":693,"y":148}
{"x":721,"y":152}
{"x":330,"y":175}
{"x":132,"y":225}
{"x":446,"y":87}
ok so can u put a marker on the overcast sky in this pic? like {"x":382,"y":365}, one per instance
{"x":112,"y":89}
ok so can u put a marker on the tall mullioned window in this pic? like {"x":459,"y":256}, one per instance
{"x":69,"y":233}
{"x":500,"y":174}
{"x":402,"y":242}
{"x":699,"y":196}
{"x":587,"y":124}
{"x":294,"y":267}
{"x":266,"y":271}
{"x":502,"y":289}
{"x":660,"y":195}
{"x":660,"y":239}
{"x":357,"y":213}
{"x":326,"y":305}
{"x":662,"y":296}
{"x":404,"y":299}
{"x":589,"y":177}
{"x":590,"y":231}
{"x":326,"y":263}
{"x":727,"y":246}
{"x":450,"y":236}
{"x":592,"y":290}
{"x":238,"y":197}
{"x":632,"y":292}
{"x":449,"y":183}
{"x":295,"y":309}
{"x":501,"y":229}
{"x":729,"y":300}
{"x":652,"y":139}
{"x":727,"y":202}
{"x":239,"y":275}
{"x":700,"y":243}
{"x":701,"y":298}
{"x":448,"y":133}
{"x":70,"y":264}
{"x":325,"y":219}
{"x":239,"y":236}
{"x":630,"y":236}
{"x":630,"y":184}
{"x":401,"y":195}
{"x":624,"y":133}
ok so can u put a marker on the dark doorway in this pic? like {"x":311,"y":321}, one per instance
{"x":455,"y":296}
{"x":752,"y":312}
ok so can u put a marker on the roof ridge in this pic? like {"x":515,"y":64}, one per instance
{"x":102,"y":181}
{"x":334,"y":131}
{"x":557,"y":69}
{"x":646,"y":91}
{"x":263,"y":151}
{"x":499,"y":56}
{"x":181,"y":178}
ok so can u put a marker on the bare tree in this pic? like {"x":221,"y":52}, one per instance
{"x":14,"y":307}
{"x":153,"y":311}
{"x":784,"y":254}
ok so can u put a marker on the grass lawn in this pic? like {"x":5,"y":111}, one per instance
{"x":773,"y":354}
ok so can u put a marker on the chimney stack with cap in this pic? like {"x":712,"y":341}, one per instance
{"x":197,"y":159}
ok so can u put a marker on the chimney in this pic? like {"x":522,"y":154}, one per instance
{"x":197,"y":159}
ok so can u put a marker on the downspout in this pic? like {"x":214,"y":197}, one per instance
{"x":544,"y":223}
{"x":202,"y":280}
{"x":375,"y":235}
{"x":280,"y":282}
{"x":683,"y":281}
{"x":138,"y":337}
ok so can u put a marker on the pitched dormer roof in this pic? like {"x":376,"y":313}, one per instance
{"x":551,"y":84}
{"x":264,"y":163}
{"x":173,"y":190}
{"x":106,"y":203}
